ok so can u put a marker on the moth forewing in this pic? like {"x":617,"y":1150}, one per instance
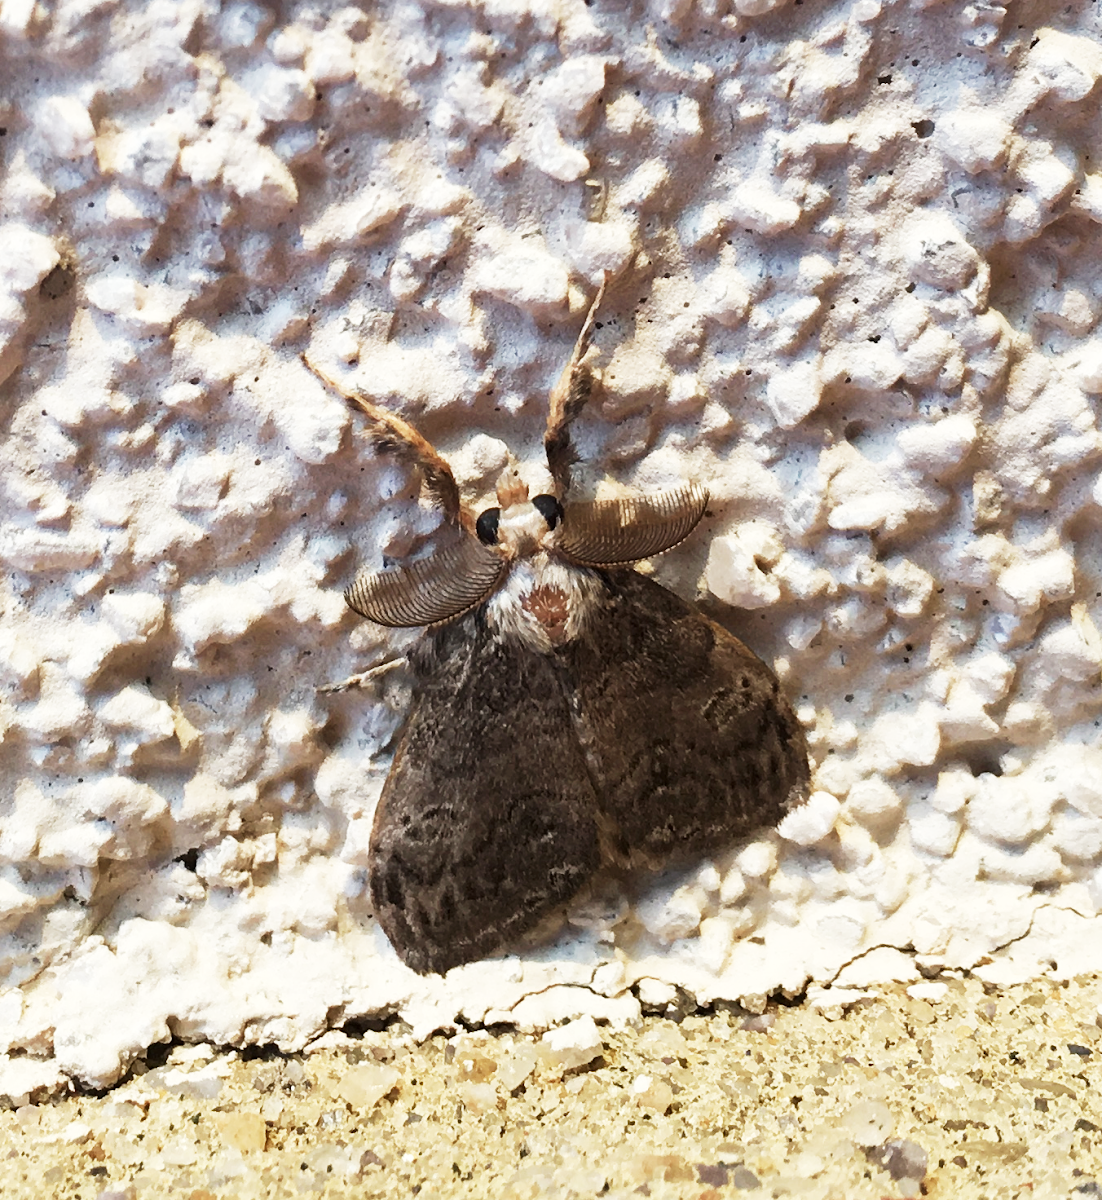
{"x":690,"y":741}
{"x":486,"y":823}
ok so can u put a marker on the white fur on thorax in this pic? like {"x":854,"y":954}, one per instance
{"x":505,"y":611}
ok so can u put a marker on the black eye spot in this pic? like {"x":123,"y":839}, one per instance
{"x":548,"y":508}
{"x":486,"y":526}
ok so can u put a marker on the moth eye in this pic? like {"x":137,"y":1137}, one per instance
{"x":486,"y":526}
{"x":549,"y":508}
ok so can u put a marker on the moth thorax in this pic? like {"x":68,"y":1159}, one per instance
{"x":549,"y":607}
{"x":543,"y":603}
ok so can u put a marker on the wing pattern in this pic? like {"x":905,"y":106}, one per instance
{"x":487,"y":819}
{"x":690,"y":740}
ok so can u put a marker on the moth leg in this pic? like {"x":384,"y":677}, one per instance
{"x":568,"y":397}
{"x":365,"y":678}
{"x":391,"y":434}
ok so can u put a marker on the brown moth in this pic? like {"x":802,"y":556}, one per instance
{"x":568,"y":711}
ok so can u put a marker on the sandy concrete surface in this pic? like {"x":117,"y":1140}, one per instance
{"x":947,"y":1088}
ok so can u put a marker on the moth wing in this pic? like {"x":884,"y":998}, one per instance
{"x":437,"y":588}
{"x":607,"y":533}
{"x":690,"y":739}
{"x":487,"y":820}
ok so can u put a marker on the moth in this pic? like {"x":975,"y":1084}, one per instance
{"x":568,"y":711}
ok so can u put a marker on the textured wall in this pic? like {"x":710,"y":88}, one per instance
{"x":856,"y":294}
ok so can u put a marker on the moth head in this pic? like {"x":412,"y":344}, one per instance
{"x":467,"y":571}
{"x":518,"y":525}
